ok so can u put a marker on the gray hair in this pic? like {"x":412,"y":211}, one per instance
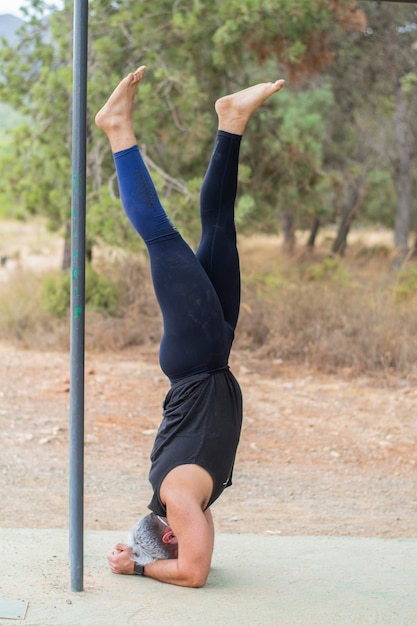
{"x":145,"y":541}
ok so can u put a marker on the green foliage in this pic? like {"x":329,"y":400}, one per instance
{"x":294,"y":176}
{"x":267,"y":283}
{"x":273,"y":281}
{"x":297,"y":151}
{"x":245,"y":207}
{"x":409,"y":83}
{"x":9,"y":118}
{"x":329,"y":270}
{"x":406,"y":286}
{"x":195,"y":52}
{"x":56,"y":293}
{"x":104,"y":223}
{"x":379,"y":199}
{"x":373,"y":78}
{"x":100,"y":293}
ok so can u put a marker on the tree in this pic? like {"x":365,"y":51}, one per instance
{"x":196,"y":52}
{"x":372,"y":77}
{"x":392,"y":31}
{"x":37,"y":83}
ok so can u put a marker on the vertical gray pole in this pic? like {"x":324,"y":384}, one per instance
{"x":77,"y":329}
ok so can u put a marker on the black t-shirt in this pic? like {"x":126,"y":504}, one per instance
{"x":201,"y":425}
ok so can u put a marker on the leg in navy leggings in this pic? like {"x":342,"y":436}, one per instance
{"x":217,"y":251}
{"x":198,"y":294}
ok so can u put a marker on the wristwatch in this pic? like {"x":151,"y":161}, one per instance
{"x":139,"y":570}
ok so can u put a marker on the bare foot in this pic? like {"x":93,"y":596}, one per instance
{"x":115,"y":118}
{"x":235,"y":110}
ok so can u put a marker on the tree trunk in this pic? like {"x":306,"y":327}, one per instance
{"x":349,"y":208}
{"x":314,"y":229}
{"x":287,"y":223}
{"x":402,"y":176}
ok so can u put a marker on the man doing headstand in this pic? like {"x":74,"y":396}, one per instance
{"x":198,"y":293}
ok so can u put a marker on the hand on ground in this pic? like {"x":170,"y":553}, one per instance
{"x":120,"y":559}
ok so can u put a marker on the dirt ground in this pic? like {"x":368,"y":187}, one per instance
{"x":326,"y":455}
{"x":318,"y":454}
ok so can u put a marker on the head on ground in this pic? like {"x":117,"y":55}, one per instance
{"x":151,"y":538}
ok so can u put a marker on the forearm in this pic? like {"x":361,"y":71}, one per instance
{"x":169,"y":571}
{"x":187,"y":572}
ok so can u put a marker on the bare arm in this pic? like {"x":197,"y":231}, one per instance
{"x":185,"y":491}
{"x":195,"y":534}
{"x":186,"y":571}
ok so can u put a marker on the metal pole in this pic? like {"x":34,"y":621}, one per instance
{"x":77,"y":328}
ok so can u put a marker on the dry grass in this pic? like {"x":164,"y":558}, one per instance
{"x":315,"y":311}
{"x":327,"y":313}
{"x":330,"y":327}
{"x":21,"y":318}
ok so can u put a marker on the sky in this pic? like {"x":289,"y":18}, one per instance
{"x":13,"y":6}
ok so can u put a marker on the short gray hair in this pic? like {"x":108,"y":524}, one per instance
{"x":145,"y":541}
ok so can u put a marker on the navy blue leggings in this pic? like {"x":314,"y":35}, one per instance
{"x":198,"y":293}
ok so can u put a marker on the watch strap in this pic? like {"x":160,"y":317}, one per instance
{"x":139,"y":570}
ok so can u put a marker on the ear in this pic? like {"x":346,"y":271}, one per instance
{"x":169,"y":537}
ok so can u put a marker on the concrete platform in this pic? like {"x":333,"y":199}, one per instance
{"x":256,"y":579}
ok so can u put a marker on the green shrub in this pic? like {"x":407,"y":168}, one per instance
{"x":100,"y":293}
{"x":55,"y":293}
{"x":330,"y":269}
{"x":406,"y":287}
